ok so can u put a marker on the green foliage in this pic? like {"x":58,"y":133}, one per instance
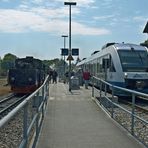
{"x":50,"y":62}
{"x":145,"y":43}
{"x":9,"y":57}
{"x":54,"y":63}
{"x":6,"y":63}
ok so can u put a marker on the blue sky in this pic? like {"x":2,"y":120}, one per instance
{"x":34,"y":27}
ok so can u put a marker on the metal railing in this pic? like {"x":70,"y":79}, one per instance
{"x":128,"y":118}
{"x":23,"y":123}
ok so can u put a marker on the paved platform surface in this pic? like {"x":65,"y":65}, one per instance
{"x":73,"y":120}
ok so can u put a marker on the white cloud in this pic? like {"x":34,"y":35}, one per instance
{"x":43,"y":20}
{"x":19,"y":21}
{"x":86,"y":30}
{"x":140,"y":18}
{"x":5,"y":0}
{"x":54,"y":12}
{"x":37,"y":1}
{"x":82,"y":3}
{"x":103,"y":17}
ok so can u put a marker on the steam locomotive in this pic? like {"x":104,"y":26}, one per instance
{"x":28,"y":74}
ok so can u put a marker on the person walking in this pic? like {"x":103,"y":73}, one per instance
{"x":54,"y":76}
{"x":86,"y":77}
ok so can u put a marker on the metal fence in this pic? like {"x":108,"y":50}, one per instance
{"x":128,"y":118}
{"x":20,"y":128}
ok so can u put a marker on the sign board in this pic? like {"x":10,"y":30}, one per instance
{"x":70,"y":58}
{"x":64,"y":51}
{"x":75,"y":51}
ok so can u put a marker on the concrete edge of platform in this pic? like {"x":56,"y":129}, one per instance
{"x":117,"y":124}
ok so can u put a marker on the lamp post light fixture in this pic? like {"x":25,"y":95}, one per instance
{"x":64,"y":36}
{"x":70,"y":51}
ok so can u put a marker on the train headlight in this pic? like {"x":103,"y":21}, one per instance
{"x":140,"y":85}
{"x":29,"y":79}
{"x":12,"y":78}
{"x":125,"y":75}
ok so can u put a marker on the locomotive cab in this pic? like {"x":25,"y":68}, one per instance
{"x":27,"y":75}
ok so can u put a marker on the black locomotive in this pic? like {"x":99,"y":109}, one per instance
{"x":28,"y":74}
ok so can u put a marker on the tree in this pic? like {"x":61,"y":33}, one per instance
{"x":7,"y":63}
{"x":54,"y":63}
{"x":145,"y":43}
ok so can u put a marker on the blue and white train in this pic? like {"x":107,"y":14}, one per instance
{"x":120,"y":64}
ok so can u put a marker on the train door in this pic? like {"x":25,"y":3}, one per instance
{"x":105,"y":66}
{"x":112,"y":71}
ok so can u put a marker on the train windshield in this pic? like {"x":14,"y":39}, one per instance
{"x":134,"y":60}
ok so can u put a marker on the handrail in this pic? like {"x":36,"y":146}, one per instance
{"x":42,"y":94}
{"x":10,"y":115}
{"x":113,"y":105}
{"x":123,"y":89}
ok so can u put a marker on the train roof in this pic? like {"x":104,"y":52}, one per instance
{"x":128,"y":46}
{"x":115,"y":46}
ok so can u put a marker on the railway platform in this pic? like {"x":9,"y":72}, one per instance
{"x":74,"y":120}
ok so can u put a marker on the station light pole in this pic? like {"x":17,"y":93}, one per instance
{"x":70,"y":51}
{"x":64,"y":36}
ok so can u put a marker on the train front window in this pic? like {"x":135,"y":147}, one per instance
{"x":133,"y":60}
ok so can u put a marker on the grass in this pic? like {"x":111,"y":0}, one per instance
{"x":4,"y":88}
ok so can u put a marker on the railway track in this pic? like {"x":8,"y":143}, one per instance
{"x":9,"y":103}
{"x":139,"y":106}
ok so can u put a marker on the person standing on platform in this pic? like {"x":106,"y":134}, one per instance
{"x":54,"y":76}
{"x":50,"y":76}
{"x":86,"y":77}
{"x":66,"y":77}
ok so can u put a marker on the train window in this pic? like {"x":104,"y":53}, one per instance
{"x":111,"y":67}
{"x":133,"y":60}
{"x":105,"y":63}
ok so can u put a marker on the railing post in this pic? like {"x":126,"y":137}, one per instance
{"x":43,"y":99}
{"x":133,"y":113}
{"x":93,"y":87}
{"x":112,"y":105}
{"x":25,"y":125}
{"x":43,"y":90}
{"x":37,"y":119}
{"x":47,"y":92}
{"x":105,"y":89}
{"x":100,"y":91}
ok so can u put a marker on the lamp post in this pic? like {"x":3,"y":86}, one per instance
{"x":64,"y":36}
{"x":69,"y":52}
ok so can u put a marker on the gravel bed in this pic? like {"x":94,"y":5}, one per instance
{"x":124,"y":119}
{"x":12,"y":133}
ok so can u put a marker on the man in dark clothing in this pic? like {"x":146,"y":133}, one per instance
{"x":54,"y":76}
{"x":50,"y":76}
{"x":66,"y":77}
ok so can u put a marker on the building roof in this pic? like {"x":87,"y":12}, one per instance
{"x":146,"y":28}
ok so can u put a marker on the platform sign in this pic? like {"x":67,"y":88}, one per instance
{"x":75,"y":51}
{"x":70,"y":58}
{"x":64,"y":51}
